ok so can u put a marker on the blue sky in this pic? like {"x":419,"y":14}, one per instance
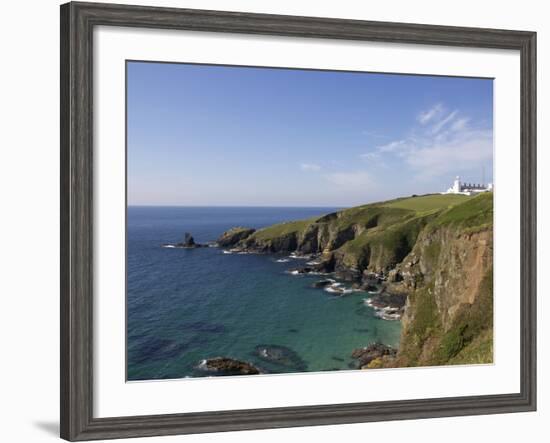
{"x":237,"y":136}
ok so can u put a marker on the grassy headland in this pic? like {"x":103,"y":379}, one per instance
{"x":436,"y":249}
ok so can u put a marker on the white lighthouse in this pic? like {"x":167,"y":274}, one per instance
{"x":456,"y":185}
{"x":467,"y":188}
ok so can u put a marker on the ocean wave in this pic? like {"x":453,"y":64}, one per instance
{"x":296,"y":256}
{"x":313,"y":263}
{"x":332,"y":290}
{"x":383,"y":312}
{"x":338,"y":288}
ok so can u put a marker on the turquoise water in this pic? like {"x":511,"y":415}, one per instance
{"x":185,"y":305}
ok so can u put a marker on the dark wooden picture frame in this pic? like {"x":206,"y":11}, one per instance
{"x":77,"y":23}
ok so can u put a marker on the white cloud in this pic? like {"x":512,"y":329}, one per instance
{"x":431,"y":114}
{"x":442,"y":143}
{"x":464,"y":151}
{"x":438,"y":126}
{"x":460,"y":124}
{"x":353,"y":179}
{"x":391,"y":147}
{"x":370,"y":155}
{"x":310,"y":167}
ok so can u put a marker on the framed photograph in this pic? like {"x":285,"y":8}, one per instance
{"x":272,"y":221}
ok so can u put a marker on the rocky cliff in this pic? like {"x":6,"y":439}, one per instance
{"x":448,"y":276}
{"x":436,"y":250}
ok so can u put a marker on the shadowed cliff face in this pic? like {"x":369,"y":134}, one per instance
{"x":435,"y":249}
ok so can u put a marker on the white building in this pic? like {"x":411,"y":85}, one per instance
{"x":467,"y":188}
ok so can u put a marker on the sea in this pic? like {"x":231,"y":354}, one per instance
{"x":187,"y":305}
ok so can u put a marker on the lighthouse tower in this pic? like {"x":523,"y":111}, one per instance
{"x":456,"y":185}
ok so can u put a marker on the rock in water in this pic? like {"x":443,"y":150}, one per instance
{"x":323,"y":283}
{"x":228,"y":366}
{"x":188,"y":241}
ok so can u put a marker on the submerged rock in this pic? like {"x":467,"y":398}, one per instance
{"x":154,"y":349}
{"x":228,"y":366}
{"x":205,"y":327}
{"x":280,"y":355}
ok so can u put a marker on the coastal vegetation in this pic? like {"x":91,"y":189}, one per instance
{"x":434,"y":252}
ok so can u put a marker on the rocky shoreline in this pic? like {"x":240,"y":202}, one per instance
{"x":387,"y":306}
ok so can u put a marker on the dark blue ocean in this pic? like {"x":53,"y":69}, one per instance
{"x":186,"y":305}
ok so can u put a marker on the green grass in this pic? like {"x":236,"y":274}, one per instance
{"x":281,"y":229}
{"x":367,"y":216}
{"x":479,"y":351}
{"x":370,"y":216}
{"x":383,"y":216}
{"x":475,"y":212}
{"x":386,"y":245}
{"x":430,"y":202}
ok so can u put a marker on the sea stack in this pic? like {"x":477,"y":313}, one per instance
{"x":188,"y":241}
